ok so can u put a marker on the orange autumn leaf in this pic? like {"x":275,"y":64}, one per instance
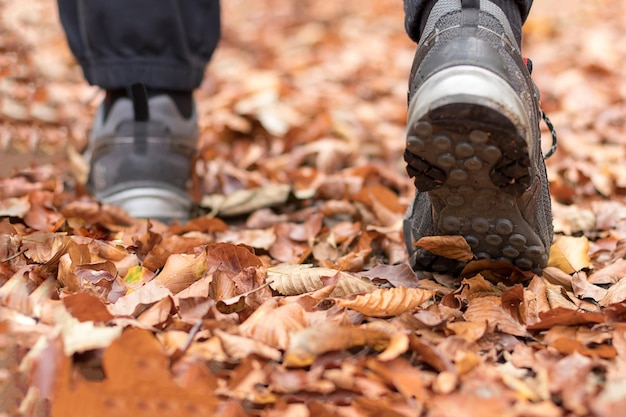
{"x":272,"y":323}
{"x":137,"y":378}
{"x":451,"y":247}
{"x":181,"y":270}
{"x":307,"y":344}
{"x":487,"y":309}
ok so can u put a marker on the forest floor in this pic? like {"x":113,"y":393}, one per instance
{"x":291,"y":294}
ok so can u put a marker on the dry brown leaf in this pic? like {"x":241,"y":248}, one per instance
{"x":158,"y":313}
{"x":246,"y":201}
{"x":615,"y":294}
{"x":569,"y":254}
{"x":137,"y":378}
{"x":307,"y":344}
{"x":299,"y":279}
{"x":86,"y":307}
{"x":83,"y":336}
{"x":488,"y":309}
{"x":451,"y":247}
{"x":582,"y":288}
{"x":386,"y":302}
{"x":134,"y":303}
{"x":181,"y":270}
{"x":399,"y":372}
{"x":468,"y":330}
{"x":565,"y":317}
{"x":398,"y":345}
{"x":239,"y":347}
{"x":610,"y":274}
{"x":273,"y":323}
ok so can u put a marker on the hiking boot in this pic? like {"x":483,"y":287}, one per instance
{"x":140,"y":152}
{"x":473,"y":142}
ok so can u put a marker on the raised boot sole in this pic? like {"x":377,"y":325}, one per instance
{"x":467,"y":147}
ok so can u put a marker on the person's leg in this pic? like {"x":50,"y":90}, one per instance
{"x":162,"y":43}
{"x":417,"y":11}
{"x":473,"y":139}
{"x":143,"y":137}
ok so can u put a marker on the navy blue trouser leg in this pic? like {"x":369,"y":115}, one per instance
{"x":164,"y":44}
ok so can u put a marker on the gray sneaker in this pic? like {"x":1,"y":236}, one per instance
{"x":473,"y":142}
{"x":141,"y":155}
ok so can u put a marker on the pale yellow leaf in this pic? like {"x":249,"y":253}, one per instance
{"x":386,"y":302}
{"x":299,"y":279}
{"x":569,"y":254}
{"x":451,"y":247}
{"x":247,"y":200}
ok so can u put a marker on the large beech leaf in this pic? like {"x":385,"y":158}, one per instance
{"x":273,"y":323}
{"x":386,"y":302}
{"x":181,"y":270}
{"x":451,"y":247}
{"x":299,"y":279}
{"x":487,"y":309}
{"x":307,"y":344}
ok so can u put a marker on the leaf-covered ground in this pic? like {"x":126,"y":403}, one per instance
{"x":291,"y":295}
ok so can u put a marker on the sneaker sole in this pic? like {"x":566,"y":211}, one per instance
{"x":465,"y":149}
{"x":151,"y":203}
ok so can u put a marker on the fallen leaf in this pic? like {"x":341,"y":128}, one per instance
{"x":451,"y":247}
{"x":246,"y":201}
{"x":570,"y":254}
{"x":273,"y":323}
{"x":299,"y":279}
{"x":137,"y":378}
{"x":307,"y":344}
{"x":487,"y":309}
{"x":615,"y":294}
{"x":181,"y":270}
{"x":239,"y":347}
{"x":386,"y":302}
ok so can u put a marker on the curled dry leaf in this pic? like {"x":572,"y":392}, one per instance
{"x":386,"y":302}
{"x":307,"y":344}
{"x":246,"y":201}
{"x":451,"y":247}
{"x":14,"y":207}
{"x":83,"y":336}
{"x":181,"y":270}
{"x":273,"y":323}
{"x":239,"y":347}
{"x":299,"y":279}
{"x":584,"y":289}
{"x":487,"y":309}
{"x":615,"y":294}
{"x":136,"y":301}
{"x":570,"y":254}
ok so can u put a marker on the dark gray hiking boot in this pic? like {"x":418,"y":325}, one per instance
{"x":140,"y":156}
{"x":473,"y":142}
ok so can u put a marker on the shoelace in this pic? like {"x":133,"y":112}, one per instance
{"x":529,"y":65}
